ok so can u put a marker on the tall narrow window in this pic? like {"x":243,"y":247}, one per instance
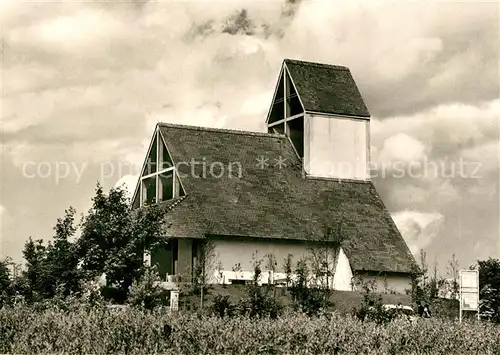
{"x":296,"y":133}
{"x":293,"y":105}
{"x":149,"y":190}
{"x":167,"y":185}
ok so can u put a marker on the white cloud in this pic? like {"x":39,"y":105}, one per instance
{"x":83,"y":29}
{"x":129,"y":182}
{"x":402,"y":148}
{"x":447,"y":131}
{"x":418,"y":228}
{"x":485,"y":157}
{"x":257,"y":104}
{"x":2,"y":216}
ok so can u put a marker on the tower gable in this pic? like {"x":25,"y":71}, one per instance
{"x":321,"y":111}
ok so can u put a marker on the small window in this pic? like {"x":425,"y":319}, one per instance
{"x":278,"y":129}
{"x":167,"y":185}
{"x":238,"y":282}
{"x":149,"y":190}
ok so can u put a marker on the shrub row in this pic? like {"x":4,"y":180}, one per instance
{"x":130,"y":330}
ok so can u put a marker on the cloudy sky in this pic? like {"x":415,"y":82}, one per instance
{"x":84,"y":83}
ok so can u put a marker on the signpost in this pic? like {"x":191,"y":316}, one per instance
{"x":469,"y":291}
{"x":174,"y":300}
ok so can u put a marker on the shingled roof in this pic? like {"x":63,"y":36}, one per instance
{"x":275,"y":203}
{"x":326,"y":88}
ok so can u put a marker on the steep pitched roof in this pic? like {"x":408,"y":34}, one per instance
{"x":326,"y":88}
{"x":274,"y":203}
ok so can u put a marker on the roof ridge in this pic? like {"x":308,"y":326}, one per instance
{"x":221,"y":130}
{"x":314,"y":64}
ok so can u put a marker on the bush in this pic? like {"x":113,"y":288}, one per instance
{"x":310,"y":300}
{"x":371,"y":309}
{"x":135,"y":331}
{"x":259,"y":304}
{"x":222,"y":307}
{"x":146,"y":293}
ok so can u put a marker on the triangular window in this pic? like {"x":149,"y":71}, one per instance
{"x":137,"y":201}
{"x":278,"y":106}
{"x":159,"y":179}
{"x":151,"y":162}
{"x":165,"y":160}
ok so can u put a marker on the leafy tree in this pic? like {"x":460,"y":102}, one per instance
{"x":114,"y":239}
{"x":324,"y":257}
{"x":434,"y":283}
{"x":287,"y":268}
{"x":259,"y":303}
{"x":61,"y":259}
{"x":5,"y":283}
{"x":489,"y":283}
{"x":452,"y":271}
{"x":35,"y":274}
{"x":205,"y":259}
{"x":52,"y":268}
{"x":112,"y":242}
{"x":420,"y":283}
{"x":307,"y":299}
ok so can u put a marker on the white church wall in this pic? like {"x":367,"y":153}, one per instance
{"x":336,"y":147}
{"x":400,"y":284}
{"x":342,"y":279}
{"x":230,"y":253}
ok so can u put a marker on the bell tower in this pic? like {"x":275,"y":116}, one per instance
{"x":320,"y":109}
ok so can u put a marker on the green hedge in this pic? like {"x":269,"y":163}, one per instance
{"x":100,"y":330}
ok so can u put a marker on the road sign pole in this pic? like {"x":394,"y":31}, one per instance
{"x":469,"y":292}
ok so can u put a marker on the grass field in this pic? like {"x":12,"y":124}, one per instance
{"x":100,"y":330}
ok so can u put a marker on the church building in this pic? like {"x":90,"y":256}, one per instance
{"x":256,"y":195}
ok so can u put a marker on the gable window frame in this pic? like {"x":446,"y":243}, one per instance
{"x":290,"y":113}
{"x":177,"y":191}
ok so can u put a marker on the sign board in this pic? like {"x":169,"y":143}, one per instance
{"x":174,"y":300}
{"x":469,"y":291}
